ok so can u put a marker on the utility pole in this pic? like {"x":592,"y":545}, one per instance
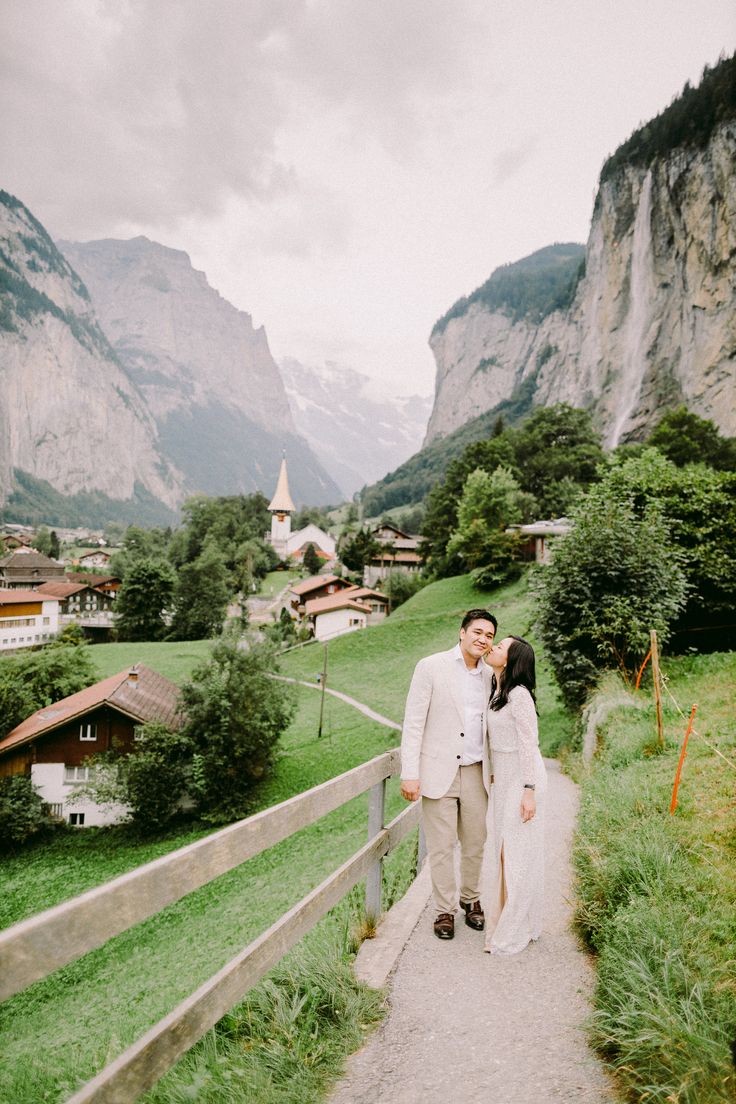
{"x":323,"y":684}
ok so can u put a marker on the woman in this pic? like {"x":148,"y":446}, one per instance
{"x":515,"y":842}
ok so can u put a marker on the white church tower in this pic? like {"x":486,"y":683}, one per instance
{"x":281,"y":507}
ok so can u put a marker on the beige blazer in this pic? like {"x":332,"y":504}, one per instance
{"x":432,"y":733}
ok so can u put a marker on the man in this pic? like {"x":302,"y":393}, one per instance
{"x":444,"y":760}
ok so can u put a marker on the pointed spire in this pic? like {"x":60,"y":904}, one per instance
{"x":281,"y":502}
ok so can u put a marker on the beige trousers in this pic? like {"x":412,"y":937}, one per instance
{"x":460,"y":814}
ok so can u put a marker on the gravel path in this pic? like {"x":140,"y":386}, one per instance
{"x":365,"y":709}
{"x":469,"y":1027}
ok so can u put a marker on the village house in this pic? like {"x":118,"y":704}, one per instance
{"x":98,"y":558}
{"x":336,"y":614}
{"x":10,"y":541}
{"x":108,"y":584}
{"x":316,"y":586}
{"x":536,"y":536}
{"x":27,"y":569}
{"x":53,"y":744}
{"x":27,"y":618}
{"x":376,"y":602}
{"x":83,"y":604}
{"x":398,"y":551}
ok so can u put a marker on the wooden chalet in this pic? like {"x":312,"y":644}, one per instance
{"x":53,"y":744}
{"x":26,"y":569}
{"x":317,"y":586}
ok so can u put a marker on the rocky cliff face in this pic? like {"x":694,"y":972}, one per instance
{"x":206,"y":374}
{"x":357,"y":435}
{"x":69,"y":412}
{"x":652,"y":322}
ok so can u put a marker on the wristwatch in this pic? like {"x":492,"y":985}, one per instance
{"x":529,"y":786}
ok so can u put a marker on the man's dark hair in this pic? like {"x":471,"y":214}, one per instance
{"x":479,"y":615}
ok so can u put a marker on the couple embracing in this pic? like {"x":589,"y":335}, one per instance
{"x":470,"y":752}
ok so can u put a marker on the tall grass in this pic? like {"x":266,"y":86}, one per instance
{"x":657,"y":895}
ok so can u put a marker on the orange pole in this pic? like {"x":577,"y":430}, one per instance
{"x":673,"y":802}
{"x":641,"y":669}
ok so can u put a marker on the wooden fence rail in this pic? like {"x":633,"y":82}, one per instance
{"x":35,"y":947}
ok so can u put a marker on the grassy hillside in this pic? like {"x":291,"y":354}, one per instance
{"x":91,"y":1009}
{"x":658,"y":893}
{"x":376,"y":666}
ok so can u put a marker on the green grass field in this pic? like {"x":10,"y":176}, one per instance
{"x":92,"y":1009}
{"x":657,"y":892}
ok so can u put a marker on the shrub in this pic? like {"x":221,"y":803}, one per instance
{"x":156,"y":775}
{"x":236,"y":715}
{"x":21,"y":810}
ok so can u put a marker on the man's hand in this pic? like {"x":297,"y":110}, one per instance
{"x":410,"y":789}
{"x":528,"y":805}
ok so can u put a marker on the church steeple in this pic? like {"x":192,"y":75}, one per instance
{"x":281,"y":503}
{"x":281,"y":507}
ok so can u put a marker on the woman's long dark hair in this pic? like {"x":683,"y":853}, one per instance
{"x":520,"y":671}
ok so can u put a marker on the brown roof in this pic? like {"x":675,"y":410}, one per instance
{"x":334,"y":602}
{"x":151,"y":698}
{"x":90,"y":579}
{"x":366,"y":592}
{"x":60,"y":589}
{"x":14,"y":597}
{"x":388,"y":555}
{"x":315,"y":582}
{"x":28,"y":558}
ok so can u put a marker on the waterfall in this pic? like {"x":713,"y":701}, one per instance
{"x":637,"y":326}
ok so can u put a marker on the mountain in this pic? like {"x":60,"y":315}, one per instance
{"x":643,"y":321}
{"x":72,"y":421}
{"x":357,"y":435}
{"x":205,"y":373}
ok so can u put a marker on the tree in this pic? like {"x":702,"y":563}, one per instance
{"x":42,"y":541}
{"x":557,"y":452}
{"x":156,"y":775}
{"x":699,"y":505}
{"x":489,"y":503}
{"x":36,"y":679}
{"x":236,"y":714}
{"x":684,"y":438}
{"x":614,"y":577}
{"x":357,"y":550}
{"x":312,"y":562}
{"x":201,"y":595}
{"x":21,"y":810}
{"x":144,"y":600}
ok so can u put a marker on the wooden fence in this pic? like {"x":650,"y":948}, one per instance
{"x":35,"y":947}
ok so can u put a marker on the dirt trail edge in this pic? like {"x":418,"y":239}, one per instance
{"x":469,"y":1027}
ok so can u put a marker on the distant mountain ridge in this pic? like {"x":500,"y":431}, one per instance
{"x":206,"y":374}
{"x":357,"y":436}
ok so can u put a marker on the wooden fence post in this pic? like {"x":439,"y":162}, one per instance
{"x":323,"y":686}
{"x":376,"y":808}
{"x":657,"y":687}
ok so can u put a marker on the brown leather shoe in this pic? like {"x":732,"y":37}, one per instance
{"x":444,"y":926}
{"x":474,"y":917}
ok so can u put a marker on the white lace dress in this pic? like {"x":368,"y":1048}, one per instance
{"x":514,"y":857}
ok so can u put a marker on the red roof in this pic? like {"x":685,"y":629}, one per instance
{"x":60,"y":589}
{"x":334,"y":602}
{"x":17,"y":597}
{"x":366,"y":592}
{"x":150,"y":698}
{"x":316,"y":582}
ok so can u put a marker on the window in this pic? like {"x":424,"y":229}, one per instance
{"x":77,"y":774}
{"x":47,"y":620}
{"x":76,"y":820}
{"x":88,"y":732}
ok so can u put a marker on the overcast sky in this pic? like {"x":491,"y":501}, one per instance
{"x":343,"y":170}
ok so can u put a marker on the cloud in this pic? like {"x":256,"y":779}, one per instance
{"x":151,"y":112}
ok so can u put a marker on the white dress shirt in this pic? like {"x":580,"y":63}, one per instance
{"x":475,"y":706}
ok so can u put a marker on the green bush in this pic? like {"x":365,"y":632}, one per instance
{"x":236,"y":715}
{"x":21,"y":810}
{"x":156,"y":775}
